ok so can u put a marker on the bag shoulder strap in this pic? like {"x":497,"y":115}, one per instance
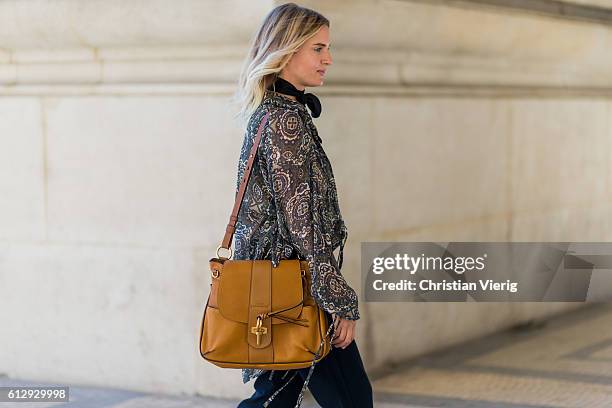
{"x":231,"y":226}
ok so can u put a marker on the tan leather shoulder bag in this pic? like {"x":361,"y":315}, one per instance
{"x":258,"y":316}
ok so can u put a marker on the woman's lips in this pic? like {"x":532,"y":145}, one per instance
{"x":321,"y":72}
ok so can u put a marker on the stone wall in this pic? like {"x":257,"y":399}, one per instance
{"x":464,"y":122}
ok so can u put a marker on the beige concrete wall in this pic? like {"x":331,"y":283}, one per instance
{"x":606,"y":4}
{"x":469,"y":169}
{"x":119,"y":154}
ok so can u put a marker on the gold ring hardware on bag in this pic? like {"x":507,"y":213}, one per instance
{"x":229,"y":249}
{"x":258,"y":330}
{"x":215,"y":273}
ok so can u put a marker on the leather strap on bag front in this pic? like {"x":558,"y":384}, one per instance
{"x":231,"y":226}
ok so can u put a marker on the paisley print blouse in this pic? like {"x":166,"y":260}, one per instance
{"x":290,"y":206}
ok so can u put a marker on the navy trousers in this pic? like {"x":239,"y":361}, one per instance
{"x":339,"y":380}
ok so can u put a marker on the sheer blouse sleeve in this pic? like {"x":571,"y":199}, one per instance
{"x":290,"y":163}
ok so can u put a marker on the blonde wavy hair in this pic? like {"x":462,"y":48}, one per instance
{"x":284,"y":30}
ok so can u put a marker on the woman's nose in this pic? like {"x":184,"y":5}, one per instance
{"x":328,"y":60}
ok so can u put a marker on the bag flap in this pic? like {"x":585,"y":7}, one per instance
{"x":273,"y":289}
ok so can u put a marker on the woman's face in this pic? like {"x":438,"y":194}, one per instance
{"x":308,"y":65}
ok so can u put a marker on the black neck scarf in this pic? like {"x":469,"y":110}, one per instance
{"x":285,"y":87}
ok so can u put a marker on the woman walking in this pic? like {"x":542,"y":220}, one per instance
{"x":290,"y":207}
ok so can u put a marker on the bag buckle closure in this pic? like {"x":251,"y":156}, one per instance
{"x":258,"y":330}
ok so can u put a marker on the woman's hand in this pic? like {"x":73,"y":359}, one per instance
{"x":344,"y":332}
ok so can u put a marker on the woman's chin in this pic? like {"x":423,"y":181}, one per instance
{"x":316,"y":83}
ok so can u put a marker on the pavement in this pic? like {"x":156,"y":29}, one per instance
{"x":563,"y":362}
